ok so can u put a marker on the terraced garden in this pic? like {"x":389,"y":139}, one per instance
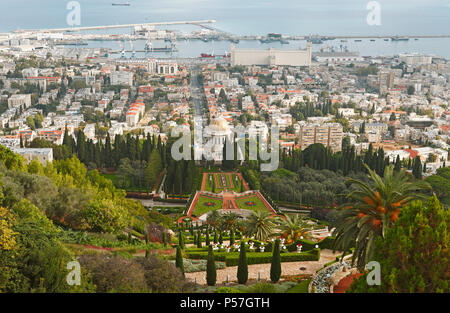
{"x":252,"y":203}
{"x":206,"y":204}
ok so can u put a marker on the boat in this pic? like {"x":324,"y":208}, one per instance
{"x":213,"y":56}
{"x":126,"y":4}
{"x":284,"y":41}
{"x":70,"y":43}
{"x":316,"y":41}
{"x":399,"y":39}
{"x":372,"y":39}
{"x":358,"y":40}
{"x":386,"y":39}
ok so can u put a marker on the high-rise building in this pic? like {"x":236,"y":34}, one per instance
{"x":328,"y":134}
{"x":386,"y":81}
{"x":124,"y":78}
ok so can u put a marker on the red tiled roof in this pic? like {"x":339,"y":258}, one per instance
{"x":412,"y":153}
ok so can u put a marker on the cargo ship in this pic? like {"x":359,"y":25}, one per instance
{"x":126,"y":4}
{"x":399,"y":38}
{"x":213,"y":56}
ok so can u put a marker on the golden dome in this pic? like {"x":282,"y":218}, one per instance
{"x":219,"y":124}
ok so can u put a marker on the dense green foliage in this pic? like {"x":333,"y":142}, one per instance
{"x":372,"y":210}
{"x":308,"y":187}
{"x":414,"y":254}
{"x":440,"y":184}
{"x":32,"y":255}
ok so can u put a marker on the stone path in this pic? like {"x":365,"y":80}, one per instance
{"x":287,"y":268}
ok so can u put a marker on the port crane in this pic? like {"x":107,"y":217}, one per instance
{"x":122,"y":49}
{"x":133,"y":51}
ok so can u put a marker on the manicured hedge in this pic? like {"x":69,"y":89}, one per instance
{"x":266,"y":257}
{"x":306,"y":245}
{"x":327,"y":243}
{"x":232,"y":258}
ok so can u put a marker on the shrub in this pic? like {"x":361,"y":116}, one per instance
{"x":115,"y":274}
{"x":327,"y":243}
{"x":227,"y":290}
{"x":301,"y":287}
{"x":232,"y":258}
{"x":261,"y":288}
{"x":266,"y":257}
{"x":192,"y":266}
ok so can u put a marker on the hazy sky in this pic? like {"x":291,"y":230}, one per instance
{"x":243,"y":16}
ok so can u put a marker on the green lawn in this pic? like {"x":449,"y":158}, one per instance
{"x":201,"y":209}
{"x":259,"y":205}
{"x":301,"y":287}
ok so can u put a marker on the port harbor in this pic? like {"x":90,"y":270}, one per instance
{"x":175,"y":39}
{"x":144,"y":31}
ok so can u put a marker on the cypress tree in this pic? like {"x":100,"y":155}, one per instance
{"x":398,"y":165}
{"x":164,"y":239}
{"x":181,"y":240}
{"x":417,"y":168}
{"x":275,"y":267}
{"x":231,"y":237}
{"x":215,"y":237}
{"x":207,"y":237}
{"x":220,"y":238}
{"x":179,"y":260}
{"x":242,"y":273}
{"x":199,"y":239}
{"x":211,"y":273}
{"x":195,"y":238}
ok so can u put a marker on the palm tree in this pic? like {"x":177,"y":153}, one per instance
{"x":260,"y":225}
{"x":292,"y":228}
{"x":372,"y":209}
{"x":228,"y":221}
{"x":213,"y":219}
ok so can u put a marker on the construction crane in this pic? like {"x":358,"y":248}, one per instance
{"x":148,"y":45}
{"x":122,"y":49}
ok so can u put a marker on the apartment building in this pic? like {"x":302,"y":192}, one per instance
{"x":43,"y":155}
{"x":19,"y":100}
{"x":123,"y":78}
{"x":328,"y":134}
